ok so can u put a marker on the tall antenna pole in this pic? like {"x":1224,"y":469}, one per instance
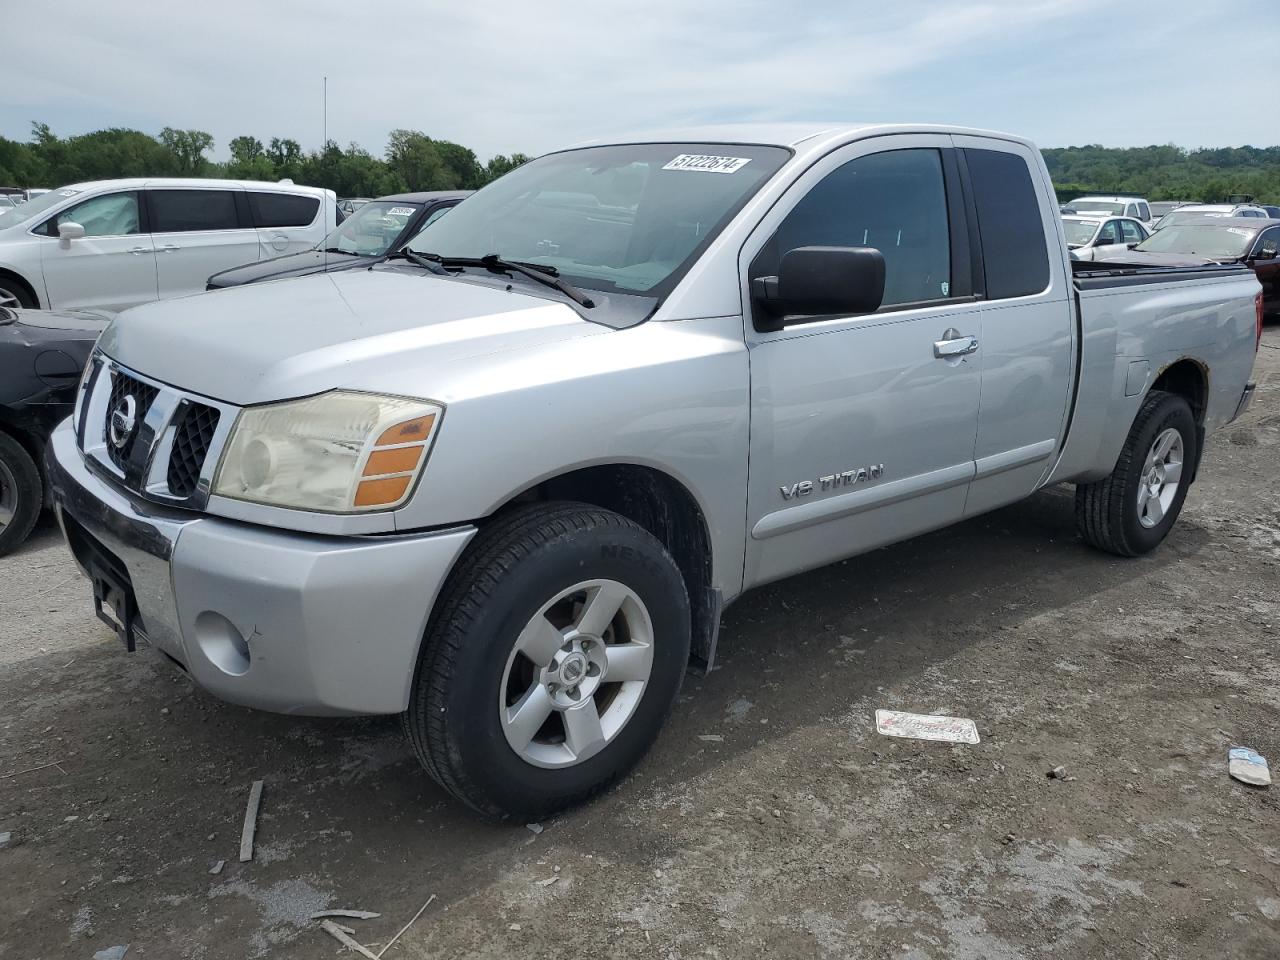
{"x":324,"y":146}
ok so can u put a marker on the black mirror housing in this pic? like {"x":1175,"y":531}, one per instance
{"x":824,"y":281}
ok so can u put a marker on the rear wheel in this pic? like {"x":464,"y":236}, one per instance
{"x":21,"y":493}
{"x":556,"y":654}
{"x":1133,"y":509}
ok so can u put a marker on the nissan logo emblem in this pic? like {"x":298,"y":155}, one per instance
{"x":123,"y":418}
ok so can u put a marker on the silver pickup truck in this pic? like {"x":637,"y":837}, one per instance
{"x":505,"y":483}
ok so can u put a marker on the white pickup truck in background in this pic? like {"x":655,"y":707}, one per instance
{"x":505,"y":483}
{"x":113,"y":244}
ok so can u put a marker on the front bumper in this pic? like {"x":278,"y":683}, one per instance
{"x":288,"y":622}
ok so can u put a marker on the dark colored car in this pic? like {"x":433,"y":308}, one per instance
{"x":42,"y":354}
{"x":375,"y":229}
{"x":1272,"y":212}
{"x":1249,"y":240}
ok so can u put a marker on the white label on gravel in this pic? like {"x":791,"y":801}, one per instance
{"x":919,"y":726}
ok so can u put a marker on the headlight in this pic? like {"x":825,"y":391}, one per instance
{"x":338,"y":452}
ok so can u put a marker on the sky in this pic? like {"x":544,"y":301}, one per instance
{"x":513,"y":75}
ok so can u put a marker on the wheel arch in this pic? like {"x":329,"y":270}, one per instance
{"x":8,"y":273}
{"x":1188,"y":378}
{"x":666,"y":508}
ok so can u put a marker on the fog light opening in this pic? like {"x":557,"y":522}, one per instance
{"x":222,"y":644}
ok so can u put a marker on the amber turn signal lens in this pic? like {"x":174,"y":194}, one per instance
{"x":399,"y":460}
{"x":411,"y":431}
{"x":374,"y":493}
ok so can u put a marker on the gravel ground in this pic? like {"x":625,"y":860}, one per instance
{"x":770,"y":819}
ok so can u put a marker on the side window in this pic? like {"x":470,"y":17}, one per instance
{"x":112,"y":215}
{"x":1130,"y":232}
{"x":282,"y":209}
{"x":1014,"y":252}
{"x":895,"y":201}
{"x":1268,"y":244}
{"x":435,"y":215}
{"x":183,"y":211}
{"x":1144,"y":211}
{"x":1107,"y":235}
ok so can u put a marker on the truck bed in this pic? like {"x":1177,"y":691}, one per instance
{"x":1100,"y":275}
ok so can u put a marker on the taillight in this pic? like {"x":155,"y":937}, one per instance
{"x":1257,"y":302}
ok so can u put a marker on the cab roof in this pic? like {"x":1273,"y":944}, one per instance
{"x":787,"y":134}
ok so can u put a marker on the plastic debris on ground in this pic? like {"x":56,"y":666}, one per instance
{"x":112,"y":953}
{"x":1248,"y":766}
{"x":920,"y":726}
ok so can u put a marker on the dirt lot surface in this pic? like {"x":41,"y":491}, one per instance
{"x":770,"y":820}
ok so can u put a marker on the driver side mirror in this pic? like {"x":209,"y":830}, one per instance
{"x":67,"y":232}
{"x":1103,"y":242}
{"x":820,"y":281}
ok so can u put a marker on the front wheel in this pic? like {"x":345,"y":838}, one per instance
{"x":1133,"y":509}
{"x":21,"y":493}
{"x":555,"y":656}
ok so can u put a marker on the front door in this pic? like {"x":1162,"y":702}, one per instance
{"x":198,"y":233}
{"x":112,"y":267}
{"x":863,"y":427}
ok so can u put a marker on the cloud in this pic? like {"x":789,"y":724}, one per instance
{"x":505,"y":76}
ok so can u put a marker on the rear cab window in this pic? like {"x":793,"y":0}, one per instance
{"x":1014,"y":251}
{"x":282,"y":209}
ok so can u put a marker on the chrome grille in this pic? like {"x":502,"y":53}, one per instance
{"x":196,"y":424}
{"x":173,"y":448}
{"x":144,"y":394}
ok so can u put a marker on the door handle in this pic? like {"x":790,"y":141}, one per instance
{"x":955,"y":344}
{"x":169,"y":247}
{"x":137,"y":251}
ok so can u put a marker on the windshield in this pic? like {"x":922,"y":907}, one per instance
{"x":1097,"y":206}
{"x":34,"y":207}
{"x":1079,"y":232}
{"x":373,"y":228}
{"x":1204,"y":240}
{"x":627,"y":218}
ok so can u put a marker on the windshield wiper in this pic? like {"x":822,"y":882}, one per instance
{"x":428,"y":261}
{"x":545,"y":275}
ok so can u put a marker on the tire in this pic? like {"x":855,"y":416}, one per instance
{"x":15,"y":293}
{"x":474,"y":676}
{"x":1114,"y":514}
{"x":21,"y":493}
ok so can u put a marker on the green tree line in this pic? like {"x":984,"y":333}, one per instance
{"x":1210,"y":175}
{"x":412,"y":161}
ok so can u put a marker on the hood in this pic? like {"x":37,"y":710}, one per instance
{"x":293,"y":265}
{"x":388,"y":330}
{"x":61,"y":325}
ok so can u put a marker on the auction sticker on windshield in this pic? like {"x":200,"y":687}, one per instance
{"x":702,"y":164}
{"x":400,"y":212}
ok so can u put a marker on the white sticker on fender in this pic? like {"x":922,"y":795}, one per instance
{"x":701,"y":164}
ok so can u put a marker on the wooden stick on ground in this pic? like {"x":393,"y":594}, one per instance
{"x":392,"y":941}
{"x":250,"y":822}
{"x":336,"y":932}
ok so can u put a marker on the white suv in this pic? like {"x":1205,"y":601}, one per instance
{"x":113,"y":244}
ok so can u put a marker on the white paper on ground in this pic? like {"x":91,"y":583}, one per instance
{"x":1248,"y":766}
{"x":919,"y":726}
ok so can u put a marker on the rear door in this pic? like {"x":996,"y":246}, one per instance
{"x":862,"y":426}
{"x":286,"y":222}
{"x":1131,"y":231}
{"x":1028,"y":328}
{"x":113,"y":266}
{"x":198,"y":232}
